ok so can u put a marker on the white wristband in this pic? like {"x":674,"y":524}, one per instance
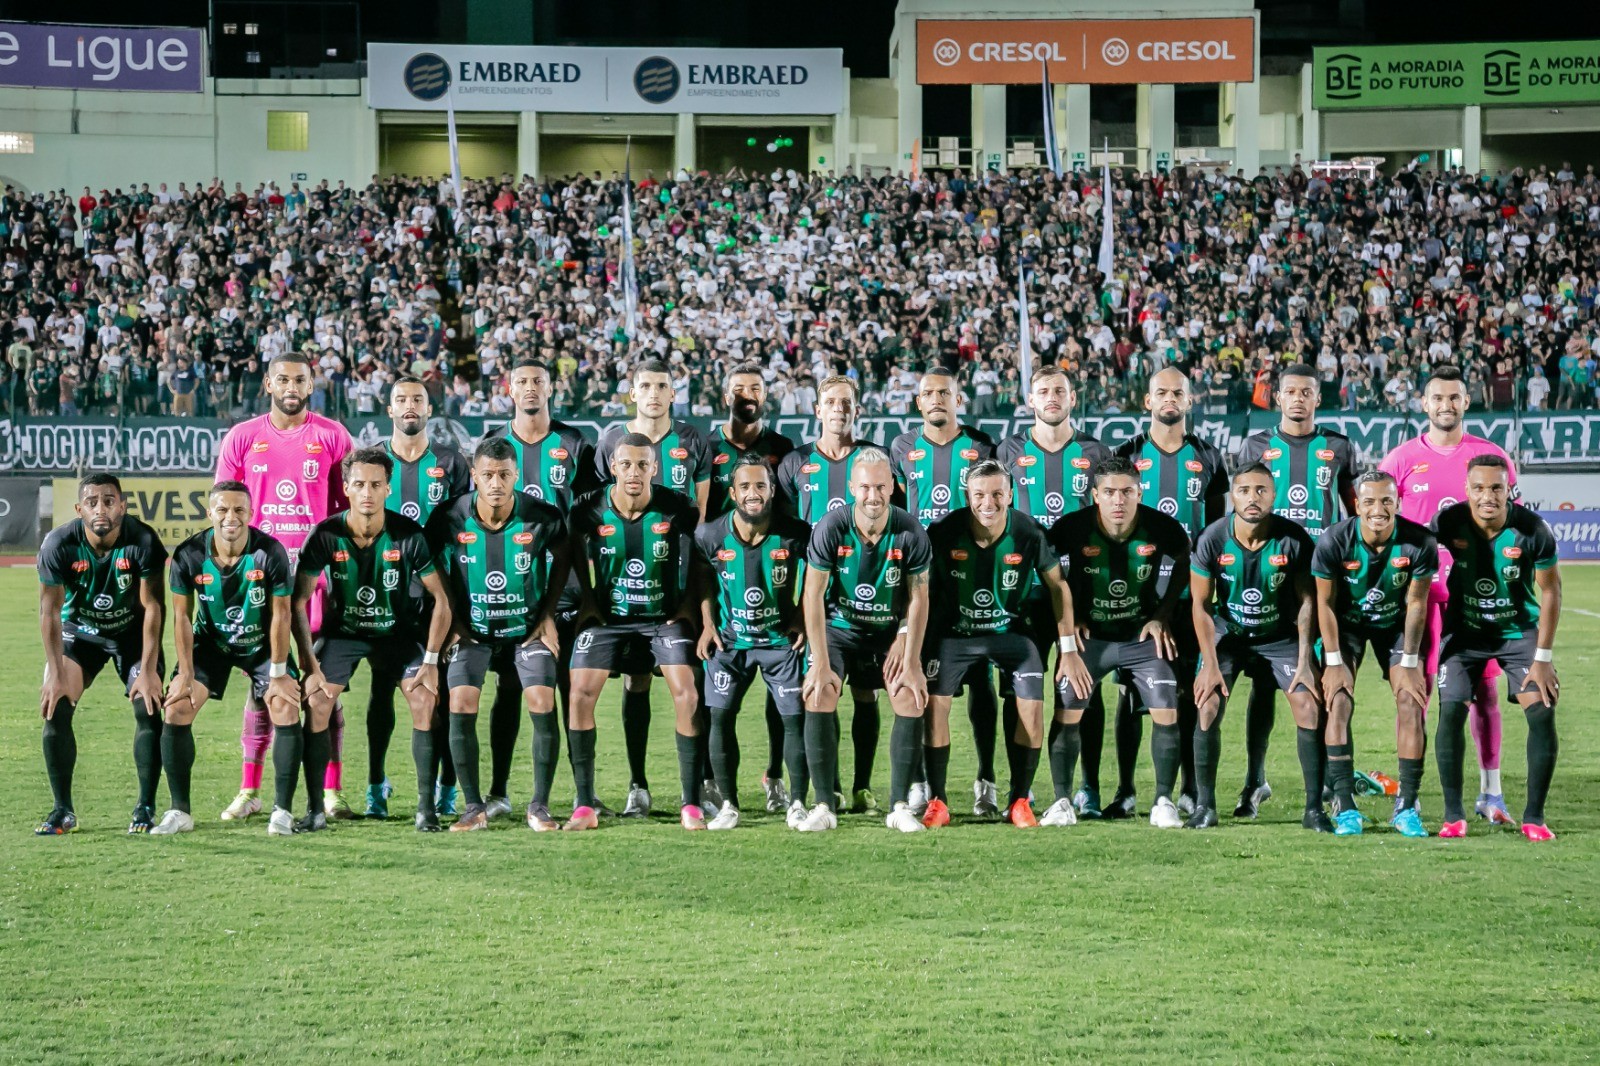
{"x":904,"y":630}
{"x":1410,"y":662}
{"x":430,"y":658}
{"x":1544,"y":655}
{"x":278,"y":670}
{"x":1068,"y":644}
{"x":1332,"y":658}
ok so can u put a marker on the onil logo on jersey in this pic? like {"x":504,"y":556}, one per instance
{"x":256,"y":597}
{"x":391,"y":579}
{"x":754,"y":596}
{"x":366,"y":595}
{"x":635,"y":568}
{"x":891,"y":576}
{"x":522,"y":562}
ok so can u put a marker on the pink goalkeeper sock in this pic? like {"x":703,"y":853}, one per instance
{"x":1483,"y":720}
{"x":250,"y":777}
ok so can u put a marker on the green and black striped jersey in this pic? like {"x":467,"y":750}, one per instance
{"x":1371,"y":583}
{"x":869,"y":586}
{"x":932,"y":478}
{"x":370,"y":590}
{"x":683,"y":457}
{"x":1046,"y":484}
{"x":725,"y":456}
{"x":1255,"y":594}
{"x":1493,"y":594}
{"x":810,"y":484}
{"x":498,"y":576}
{"x":756,"y":585}
{"x":975,"y":590}
{"x":439,"y":475}
{"x":1315,"y":474}
{"x":232,"y":604}
{"x":102,"y":591}
{"x":638,"y":569}
{"x":1190,"y":484}
{"x":1117,"y":585}
{"x":557,"y":468}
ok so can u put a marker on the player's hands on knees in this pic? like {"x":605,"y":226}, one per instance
{"x":147,"y":688}
{"x":547,"y":634}
{"x":820,"y":689}
{"x":426,"y":679}
{"x":1409,"y":682}
{"x":894,"y":662}
{"x":1156,"y":630}
{"x":914,"y":681}
{"x":708,"y":644}
{"x":283,"y":711}
{"x":284,"y":688}
{"x":316,"y":691}
{"x":1305,"y":676}
{"x":1542,"y":676}
{"x":1337,"y":679}
{"x":1070,"y":670}
{"x":1207,"y":681}
{"x":51,"y":693}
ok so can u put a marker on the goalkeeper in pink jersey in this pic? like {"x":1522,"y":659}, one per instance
{"x":289,"y":458}
{"x":1431,"y":471}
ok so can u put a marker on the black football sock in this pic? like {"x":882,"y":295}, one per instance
{"x":1260,"y":714}
{"x":1023,"y":762}
{"x":702,"y":744}
{"x":505,"y":723}
{"x":774,"y":768}
{"x":177,"y":758}
{"x":1308,"y":742}
{"x":318,"y":750}
{"x":725,"y":752}
{"x":864,"y":727}
{"x":444,"y":766}
{"x":1066,"y":742}
{"x":1341,"y":776}
{"x":1449,"y":744}
{"x":937,"y":761}
{"x":380,"y":727}
{"x":1128,"y":733}
{"x":1091,"y":739}
{"x":1410,"y":782}
{"x":983,"y":714}
{"x":147,"y":753}
{"x":688,"y":768}
{"x":60,"y":753}
{"x":422,"y":756}
{"x":794,"y":756}
{"x":636,"y":735}
{"x":288,"y":751}
{"x":1008,"y":732}
{"x":1186,"y":730}
{"x":546,"y":754}
{"x":1165,"y":745}
{"x":822,"y":754}
{"x":1542,"y":750}
{"x":905,"y":745}
{"x":1207,"y":754}
{"x":580,"y":753}
{"x":464,"y":750}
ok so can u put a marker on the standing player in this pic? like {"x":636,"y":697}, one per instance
{"x":231,"y":588}
{"x":866,"y":610}
{"x":986,"y":558}
{"x":930,"y":470}
{"x":812,"y":481}
{"x":1126,"y":567}
{"x":682,"y":464}
{"x":100,"y":602}
{"x":1052,"y":466}
{"x":506,"y":556}
{"x":1184,"y":476}
{"x":1373,"y":575}
{"x":289,"y":459}
{"x":427,"y":474}
{"x":1504,"y":604}
{"x":745,"y":434}
{"x":1313,"y":472}
{"x":372,"y":558}
{"x":749,"y":561}
{"x":555,"y":463}
{"x":1252,"y":604}
{"x":630,"y":548}
{"x":1431,"y":471}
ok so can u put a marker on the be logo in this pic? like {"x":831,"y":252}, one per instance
{"x":1341,"y":77}
{"x":1502,"y":73}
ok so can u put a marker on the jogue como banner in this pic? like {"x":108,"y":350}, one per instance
{"x":119,"y":58}
{"x":1455,"y":75}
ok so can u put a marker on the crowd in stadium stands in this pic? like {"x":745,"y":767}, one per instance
{"x":167,"y":301}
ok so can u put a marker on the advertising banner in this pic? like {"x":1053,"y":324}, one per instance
{"x":175,"y":507}
{"x":119,"y":58}
{"x":1577,"y":534}
{"x":1085,"y":51}
{"x":19,"y":512}
{"x":1455,"y":75}
{"x":156,"y":445}
{"x":722,"y":81}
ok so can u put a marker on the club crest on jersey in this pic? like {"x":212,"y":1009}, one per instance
{"x":1324,"y":476}
{"x":1398,"y":580}
{"x":124,"y":581}
{"x":1275,"y":581}
{"x":1009,"y":579}
{"x":523,"y":562}
{"x":309,"y":469}
{"x":1027,"y":460}
{"x":891,"y":576}
{"x":780,"y":574}
{"x":256,"y":597}
{"x":1143,"y":572}
{"x":1193,"y":489}
{"x":661,"y":549}
{"x":341,"y":556}
{"x":558,"y":475}
{"x":585,"y":641}
{"x":468,"y":537}
{"x":1511,"y":572}
{"x":723,"y":682}
{"x":1080,"y":483}
{"x":435,"y":492}
{"x":680,"y":476}
{"x":391,"y":579}
{"x":607,"y":530}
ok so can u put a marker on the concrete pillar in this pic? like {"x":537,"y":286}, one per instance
{"x":528,"y":144}
{"x":1157,"y":126}
{"x":683,"y":145}
{"x":1075,"y":138}
{"x":989,"y":128}
{"x":909,"y":95}
{"x":1471,"y":140}
{"x":838,"y":155}
{"x":1247,"y":128}
{"x":1310,"y":120}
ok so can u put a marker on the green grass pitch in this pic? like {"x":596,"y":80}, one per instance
{"x":641,"y":943}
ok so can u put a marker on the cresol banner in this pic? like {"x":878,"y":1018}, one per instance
{"x":118,"y":58}
{"x":190,"y":445}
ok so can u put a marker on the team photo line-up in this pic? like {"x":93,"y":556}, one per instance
{"x":946,"y":562}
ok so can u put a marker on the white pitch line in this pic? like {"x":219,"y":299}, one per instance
{"x":1580,"y":610}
